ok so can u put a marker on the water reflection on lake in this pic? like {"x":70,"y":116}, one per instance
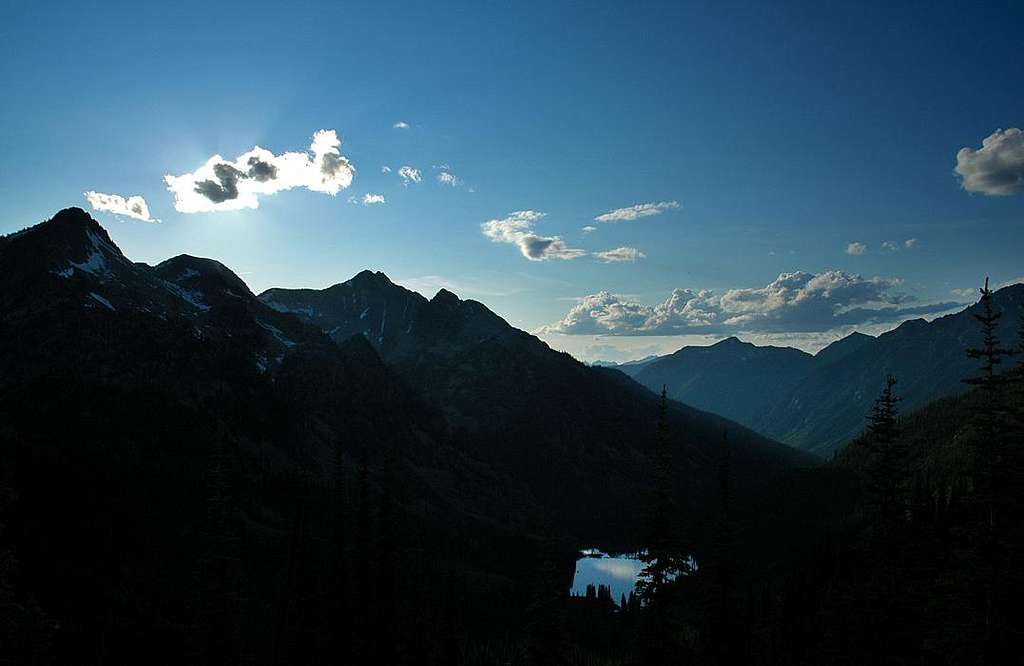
{"x":619,"y":572}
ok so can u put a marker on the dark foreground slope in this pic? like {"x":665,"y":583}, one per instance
{"x":933,"y":579}
{"x":192,"y":475}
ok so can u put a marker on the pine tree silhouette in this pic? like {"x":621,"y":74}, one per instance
{"x":886,"y":468}
{"x":665,"y":558}
{"x":991,"y":353}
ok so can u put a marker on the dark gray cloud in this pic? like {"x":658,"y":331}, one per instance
{"x":260,"y":170}
{"x":332,"y":164}
{"x":225,"y":187}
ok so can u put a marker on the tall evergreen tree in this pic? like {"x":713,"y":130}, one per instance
{"x":665,"y":558}
{"x":992,"y":383}
{"x":886,"y":467}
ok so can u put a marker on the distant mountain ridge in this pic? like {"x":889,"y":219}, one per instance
{"x":819,"y":402}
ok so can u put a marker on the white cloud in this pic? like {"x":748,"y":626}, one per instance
{"x":793,"y":302}
{"x":910,"y":243}
{"x":401,"y":124}
{"x":232,"y":185}
{"x":636,"y":211}
{"x":410,"y":175}
{"x":856,"y":248}
{"x":620,"y":254}
{"x":589,"y":229}
{"x":385,"y":169}
{"x":1008,"y":283}
{"x":370,"y":199}
{"x":995,"y":169}
{"x":447,"y":178}
{"x":890,"y":246}
{"x":134,"y":207}
{"x":517,"y":229}
{"x":966,"y":292}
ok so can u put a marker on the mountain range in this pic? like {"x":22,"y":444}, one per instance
{"x":819,"y":402}
{"x":443,"y":382}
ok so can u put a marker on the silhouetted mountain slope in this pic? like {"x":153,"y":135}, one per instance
{"x":732,"y":378}
{"x":576,"y":434}
{"x":818,"y":403}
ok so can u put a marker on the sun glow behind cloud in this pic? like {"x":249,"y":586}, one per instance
{"x":221,"y":184}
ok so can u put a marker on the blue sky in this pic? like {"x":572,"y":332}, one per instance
{"x":777,"y":136}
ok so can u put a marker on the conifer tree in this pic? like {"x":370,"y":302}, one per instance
{"x":885,"y":469}
{"x":665,"y":558}
{"x":991,"y":353}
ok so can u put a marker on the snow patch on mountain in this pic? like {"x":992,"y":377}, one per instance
{"x":102,"y":301}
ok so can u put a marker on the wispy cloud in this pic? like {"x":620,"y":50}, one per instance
{"x":856,"y":248}
{"x":401,"y":124}
{"x":221,"y":184}
{"x":410,"y":175}
{"x":448,"y":178}
{"x":896,"y":246}
{"x":134,"y":207}
{"x":517,"y":229}
{"x":589,"y":229}
{"x":371,"y":199}
{"x":620,"y":254}
{"x":995,"y":169}
{"x":636,"y":211}
{"x":385,"y":169}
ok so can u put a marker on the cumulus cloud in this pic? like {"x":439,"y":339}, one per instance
{"x":856,"y":248}
{"x":370,"y":199}
{"x":222,"y":184}
{"x":589,"y":229}
{"x":410,"y":175}
{"x":134,"y":207}
{"x":636,"y":211}
{"x":620,"y":254}
{"x":401,"y":124}
{"x":447,"y":178}
{"x":793,"y":302}
{"x":517,"y":229}
{"x":995,"y":169}
{"x":910,"y":243}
